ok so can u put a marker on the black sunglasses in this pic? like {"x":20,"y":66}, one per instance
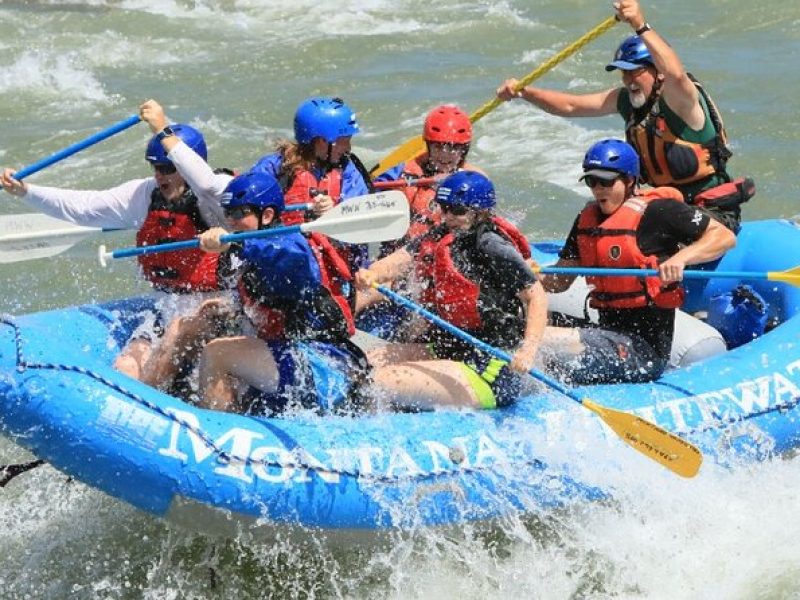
{"x":165,"y":169}
{"x":593,"y":181}
{"x":457,"y":210}
{"x":238,"y":212}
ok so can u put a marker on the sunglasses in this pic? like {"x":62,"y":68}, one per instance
{"x":449,"y":147}
{"x":593,"y":181}
{"x":165,"y":169}
{"x":237,"y":212}
{"x":457,"y":210}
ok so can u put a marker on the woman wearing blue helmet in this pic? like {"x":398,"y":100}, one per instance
{"x":179,"y":200}
{"x":292,"y":289}
{"x":473,"y":272}
{"x":669,"y":119}
{"x":318,"y":167}
{"x":623,"y":227}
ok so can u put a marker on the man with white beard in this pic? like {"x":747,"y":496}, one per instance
{"x":669,"y":119}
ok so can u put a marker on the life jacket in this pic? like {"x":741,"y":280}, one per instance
{"x":421,"y":200}
{"x":190,"y":270}
{"x":611,"y":243}
{"x":466,"y":303}
{"x":326,"y":315}
{"x":668,"y":160}
{"x":300,"y":187}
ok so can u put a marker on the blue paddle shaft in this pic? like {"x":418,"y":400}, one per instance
{"x":693,"y":274}
{"x":195,"y":242}
{"x":77,"y":147}
{"x":459,"y":333}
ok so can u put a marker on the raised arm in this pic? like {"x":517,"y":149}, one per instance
{"x":678,"y":91}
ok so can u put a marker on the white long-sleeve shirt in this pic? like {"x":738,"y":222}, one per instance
{"x":125,"y":206}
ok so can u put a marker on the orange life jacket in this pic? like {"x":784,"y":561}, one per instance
{"x":611,"y":243}
{"x":457,"y":298}
{"x":190,"y":270}
{"x":277,"y":318}
{"x":665,"y":156}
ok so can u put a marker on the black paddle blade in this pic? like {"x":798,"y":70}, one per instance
{"x":9,"y":472}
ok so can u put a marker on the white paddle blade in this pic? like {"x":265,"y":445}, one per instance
{"x":365,"y":219}
{"x":31,"y":236}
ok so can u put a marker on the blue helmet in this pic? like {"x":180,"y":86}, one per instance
{"x":328,"y":118}
{"x":467,"y":188}
{"x":253,"y":189}
{"x":632,"y":54}
{"x":156,"y":155}
{"x":610,"y":158}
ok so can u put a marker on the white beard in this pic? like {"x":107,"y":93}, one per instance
{"x":638,"y":99}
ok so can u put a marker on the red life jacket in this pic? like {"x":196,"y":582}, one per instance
{"x":276,"y":318}
{"x":457,"y":298}
{"x":172,"y":221}
{"x":297,"y":190}
{"x":612,"y":243}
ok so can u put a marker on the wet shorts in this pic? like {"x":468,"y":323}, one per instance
{"x":609,"y":357}
{"x":311,"y":375}
{"x":494,"y":383}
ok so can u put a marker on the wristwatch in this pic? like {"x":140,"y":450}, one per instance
{"x":164,"y":133}
{"x":643,"y":28}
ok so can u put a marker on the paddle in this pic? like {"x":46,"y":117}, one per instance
{"x":676,"y":454}
{"x":77,"y":147}
{"x":391,"y":184}
{"x":791,"y":276}
{"x":32,"y":235}
{"x":372,"y":218}
{"x":416,"y":146}
{"x":8,"y":472}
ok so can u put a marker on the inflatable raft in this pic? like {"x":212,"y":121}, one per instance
{"x":60,"y":398}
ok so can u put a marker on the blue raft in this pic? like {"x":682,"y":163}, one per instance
{"x":60,"y":398}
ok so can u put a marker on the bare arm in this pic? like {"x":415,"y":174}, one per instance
{"x":555,"y":284}
{"x":535,"y":301}
{"x":715,"y":241}
{"x":678,"y":91}
{"x":563,"y":104}
{"x":385,"y":270}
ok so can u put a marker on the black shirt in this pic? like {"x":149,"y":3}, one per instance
{"x":486,"y":257}
{"x":666,"y":226}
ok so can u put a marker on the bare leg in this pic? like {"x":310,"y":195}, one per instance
{"x":563,"y":340}
{"x":392,"y":354}
{"x":227,"y":362}
{"x":182,"y":341}
{"x":132,"y":358}
{"x":425,"y":385}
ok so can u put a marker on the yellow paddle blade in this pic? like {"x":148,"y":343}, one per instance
{"x":658,"y":444}
{"x":416,"y":146}
{"x":410,"y":149}
{"x":792,"y":276}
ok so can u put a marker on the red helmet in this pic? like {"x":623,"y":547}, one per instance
{"x":447,"y":124}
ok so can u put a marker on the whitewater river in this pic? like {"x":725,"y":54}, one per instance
{"x":237,"y":69}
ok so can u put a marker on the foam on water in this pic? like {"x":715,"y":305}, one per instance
{"x":58,"y":76}
{"x":660,"y":537}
